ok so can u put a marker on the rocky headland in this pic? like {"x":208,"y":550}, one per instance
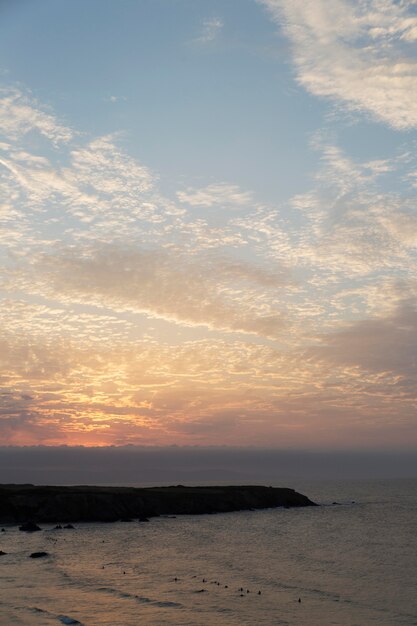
{"x":48,"y":504}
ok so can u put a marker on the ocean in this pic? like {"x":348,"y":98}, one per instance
{"x":353,"y":563}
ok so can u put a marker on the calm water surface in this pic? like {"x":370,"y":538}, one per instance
{"x":350,"y":564}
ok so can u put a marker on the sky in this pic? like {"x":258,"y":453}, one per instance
{"x":208,"y":223}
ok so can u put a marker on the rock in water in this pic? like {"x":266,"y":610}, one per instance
{"x":29,"y":527}
{"x":38,"y":555}
{"x":64,"y":619}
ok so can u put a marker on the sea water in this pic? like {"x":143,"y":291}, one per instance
{"x":353,"y":563}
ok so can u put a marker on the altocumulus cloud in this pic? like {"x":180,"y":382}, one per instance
{"x":163,"y":284}
{"x":222,"y":194}
{"x":100,"y":256}
{"x":20,"y":114}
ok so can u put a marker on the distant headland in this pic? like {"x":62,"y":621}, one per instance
{"x":48,"y":504}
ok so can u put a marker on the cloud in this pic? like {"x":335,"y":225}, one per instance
{"x":210,"y":30}
{"x":351,"y":226}
{"x":385,"y":345}
{"x":114,"y":99}
{"x":61,"y":323}
{"x":105,"y":174}
{"x":149,"y":392}
{"x":358,"y":54}
{"x":55,"y":390}
{"x":20,"y":114}
{"x":111,"y":286}
{"x":99,"y":188}
{"x":218,"y":194}
{"x":93,"y":228}
{"x":216,"y":293}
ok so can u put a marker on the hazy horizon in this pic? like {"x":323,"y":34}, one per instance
{"x":143,"y":465}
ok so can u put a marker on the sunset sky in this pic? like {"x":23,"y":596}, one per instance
{"x":208,"y":223}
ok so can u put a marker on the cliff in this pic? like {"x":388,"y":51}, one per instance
{"x":19,"y":503}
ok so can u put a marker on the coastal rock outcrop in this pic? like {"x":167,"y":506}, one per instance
{"x":48,"y":504}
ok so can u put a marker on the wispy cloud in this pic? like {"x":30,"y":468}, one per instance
{"x":113,"y":99}
{"x":351,"y":226}
{"x":358,"y":54}
{"x":210,"y":29}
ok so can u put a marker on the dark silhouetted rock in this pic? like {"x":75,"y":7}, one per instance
{"x":2,"y":553}
{"x":68,"y":620}
{"x":29,"y":527}
{"x":38,"y":555}
{"x":69,"y":526}
{"x":61,"y":505}
{"x":58,"y":527}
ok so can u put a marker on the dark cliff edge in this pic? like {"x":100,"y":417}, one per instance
{"x":19,"y":503}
